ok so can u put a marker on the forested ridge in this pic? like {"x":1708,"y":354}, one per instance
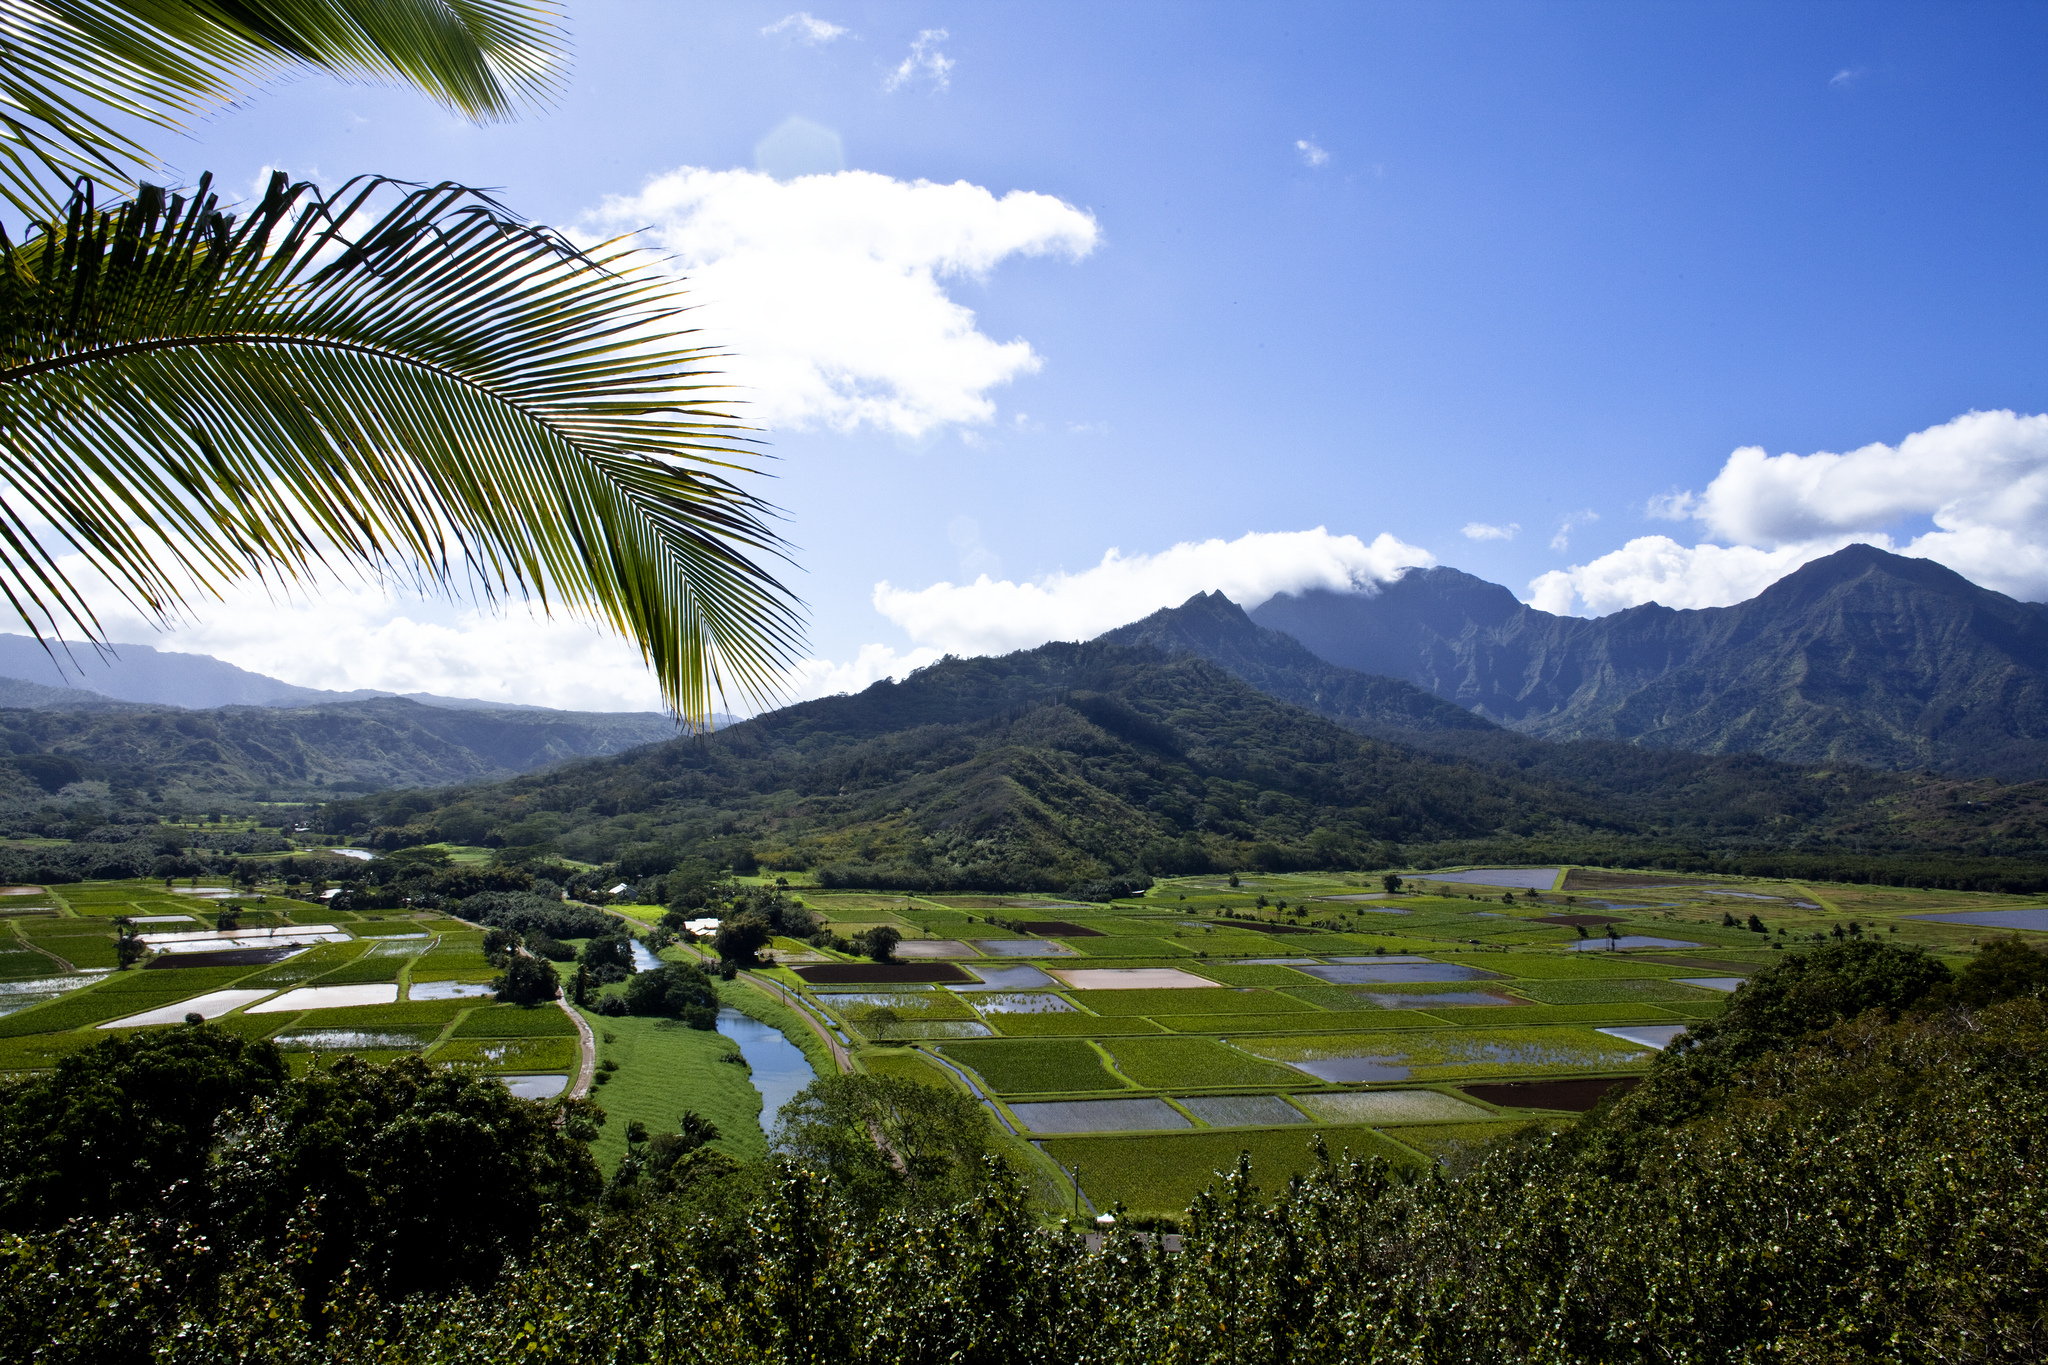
{"x":1061,"y":766}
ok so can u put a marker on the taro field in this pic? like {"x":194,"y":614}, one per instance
{"x":321,"y":984}
{"x":1139,"y":1046}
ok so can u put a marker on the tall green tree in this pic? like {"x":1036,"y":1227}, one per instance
{"x":396,"y":380}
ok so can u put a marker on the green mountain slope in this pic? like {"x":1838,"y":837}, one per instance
{"x":1215,"y":628}
{"x":1071,"y":763}
{"x":1862,"y":657}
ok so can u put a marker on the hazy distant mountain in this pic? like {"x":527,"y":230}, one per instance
{"x":139,"y":673}
{"x":1862,"y":657}
{"x":311,"y":752}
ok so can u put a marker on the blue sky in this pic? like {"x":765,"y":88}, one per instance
{"x":1381,"y":269}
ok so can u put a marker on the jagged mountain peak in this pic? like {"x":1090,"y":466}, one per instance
{"x":1863,"y":656}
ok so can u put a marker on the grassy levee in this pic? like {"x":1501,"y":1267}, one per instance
{"x":665,"y":1067}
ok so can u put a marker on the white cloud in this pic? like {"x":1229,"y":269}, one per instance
{"x":989,"y":616}
{"x":924,"y":61}
{"x":823,"y":678}
{"x":806,"y":28}
{"x":1562,"y":541}
{"x":1846,"y":76}
{"x":1311,"y":154}
{"x":1981,"y":479}
{"x":830,"y":290}
{"x":1659,"y":569}
{"x":1479,"y":530}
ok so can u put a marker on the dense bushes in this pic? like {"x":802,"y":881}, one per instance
{"x":1833,"y":1189}
{"x":676,"y":990}
{"x":525,"y":913}
{"x":115,"y":1127}
{"x":527,"y":981}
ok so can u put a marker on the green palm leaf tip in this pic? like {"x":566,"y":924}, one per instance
{"x":424,"y":388}
{"x":68,"y":66}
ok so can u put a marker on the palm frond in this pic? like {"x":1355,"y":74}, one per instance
{"x":70,"y":70}
{"x":429,"y":388}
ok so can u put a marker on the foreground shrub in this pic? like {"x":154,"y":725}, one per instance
{"x":118,"y":1126}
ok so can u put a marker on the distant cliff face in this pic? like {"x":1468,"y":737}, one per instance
{"x":1863,"y":657}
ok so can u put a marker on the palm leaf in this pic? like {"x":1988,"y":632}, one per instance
{"x":70,"y":70}
{"x":430,"y":389}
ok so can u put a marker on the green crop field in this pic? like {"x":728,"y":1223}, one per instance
{"x":404,"y":1014}
{"x":1132,"y":946}
{"x":909,"y":1066}
{"x":1069,"y":1025}
{"x":1195,"y":1000}
{"x":516,"y":1021}
{"x":1485,"y":1015}
{"x":1189,"y":1063}
{"x":1031,"y":1067}
{"x":1613,"y":992}
{"x":1302,"y":1022}
{"x":1567,"y":966}
{"x":1160,"y":1174}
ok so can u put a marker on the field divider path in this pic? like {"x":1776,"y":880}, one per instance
{"x":586,"y":1066}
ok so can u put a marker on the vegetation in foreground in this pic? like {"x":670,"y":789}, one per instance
{"x":1845,"y":1166}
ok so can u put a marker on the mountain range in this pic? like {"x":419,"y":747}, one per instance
{"x":1069,"y":764}
{"x":1863,"y":657}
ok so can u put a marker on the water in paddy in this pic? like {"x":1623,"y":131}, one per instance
{"x":1022,"y":1002}
{"x":1601,"y":945}
{"x":1520,"y":878}
{"x":1396,"y":1001}
{"x":1397,"y":974}
{"x":1347,"y":1070}
{"x":1010,"y":978}
{"x":448,"y":990}
{"x":16,"y":996}
{"x":345,"y":1040}
{"x":779,"y":1066}
{"x":1022,"y":947}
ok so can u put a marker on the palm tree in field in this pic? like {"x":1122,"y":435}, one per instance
{"x":400,"y":380}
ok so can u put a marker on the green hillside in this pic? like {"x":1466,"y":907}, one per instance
{"x":1061,"y":766}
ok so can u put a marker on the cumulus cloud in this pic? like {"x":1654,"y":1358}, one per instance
{"x":1311,"y":154}
{"x":1659,"y":569}
{"x":1981,"y":480}
{"x":923,"y":62}
{"x":1479,"y":530}
{"x":806,"y":28}
{"x":830,"y":290}
{"x":994,"y":616}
